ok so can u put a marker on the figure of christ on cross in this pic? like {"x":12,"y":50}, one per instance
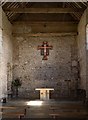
{"x":45,"y":50}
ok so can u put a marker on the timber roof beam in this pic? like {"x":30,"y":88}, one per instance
{"x":43,"y":10}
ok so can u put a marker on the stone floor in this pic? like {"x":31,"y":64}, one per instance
{"x":66,"y":110}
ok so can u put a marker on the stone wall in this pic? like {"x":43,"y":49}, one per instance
{"x":0,"y":52}
{"x":82,"y":51}
{"x":35,"y":72}
{"x":6,"y":53}
{"x":87,"y":58}
{"x":87,"y":49}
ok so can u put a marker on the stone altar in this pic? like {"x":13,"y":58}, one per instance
{"x":44,"y":93}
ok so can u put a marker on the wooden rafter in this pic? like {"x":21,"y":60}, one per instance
{"x":42,"y":10}
{"x":75,"y":15}
{"x":15,"y":15}
{"x":70,"y":11}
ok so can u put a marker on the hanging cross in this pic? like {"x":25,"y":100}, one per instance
{"x":45,"y":50}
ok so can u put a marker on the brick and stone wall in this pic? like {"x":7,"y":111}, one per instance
{"x":35,"y":72}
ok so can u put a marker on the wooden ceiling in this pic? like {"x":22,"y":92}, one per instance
{"x":36,"y":11}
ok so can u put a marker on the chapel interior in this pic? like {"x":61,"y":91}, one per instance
{"x":44,"y":60}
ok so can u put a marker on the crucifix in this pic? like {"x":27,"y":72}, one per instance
{"x":45,"y":50}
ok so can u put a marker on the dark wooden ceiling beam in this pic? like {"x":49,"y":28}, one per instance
{"x":43,"y":34}
{"x":42,"y":10}
{"x":44,"y":22}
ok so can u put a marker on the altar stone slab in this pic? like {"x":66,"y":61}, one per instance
{"x":44,"y":93}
